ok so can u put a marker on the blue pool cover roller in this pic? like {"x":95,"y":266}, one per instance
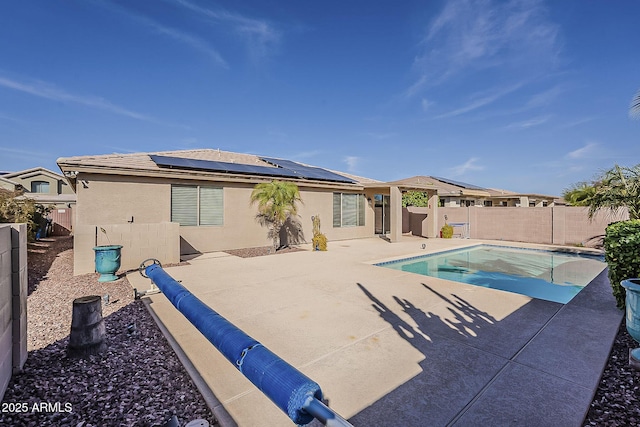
{"x":293,"y":392}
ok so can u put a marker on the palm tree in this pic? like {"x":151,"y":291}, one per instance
{"x":579,"y":194}
{"x":617,"y":188}
{"x":276,"y":203}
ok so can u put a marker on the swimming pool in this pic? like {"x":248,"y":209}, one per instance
{"x":548,"y":275}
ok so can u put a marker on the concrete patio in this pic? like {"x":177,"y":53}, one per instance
{"x":391,"y":348}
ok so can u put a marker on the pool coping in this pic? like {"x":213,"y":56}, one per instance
{"x":565,"y":362}
{"x":512,"y":245}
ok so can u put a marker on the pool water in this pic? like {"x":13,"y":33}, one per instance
{"x":547,"y":275}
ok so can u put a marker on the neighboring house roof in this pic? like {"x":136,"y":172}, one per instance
{"x":416,"y":183}
{"x":504,"y":194}
{"x":50,"y":199}
{"x":28,"y":173}
{"x":496,"y":192}
{"x":7,"y":184}
{"x":451,"y":188}
{"x":143,"y":164}
{"x":442,"y":187}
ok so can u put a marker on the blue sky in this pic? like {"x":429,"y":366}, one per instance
{"x":529,"y":96}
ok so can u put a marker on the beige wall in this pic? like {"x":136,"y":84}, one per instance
{"x":5,"y":185}
{"x":561,"y":225}
{"x":139,"y":242}
{"x":13,"y":301}
{"x":241,"y":230}
{"x":104,"y":200}
{"x":56,"y":185}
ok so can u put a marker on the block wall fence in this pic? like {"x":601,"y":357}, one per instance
{"x":560,"y":225}
{"x":13,"y":301}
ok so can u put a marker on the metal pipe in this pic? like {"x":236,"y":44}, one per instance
{"x":293,"y":392}
{"x":324,"y":414}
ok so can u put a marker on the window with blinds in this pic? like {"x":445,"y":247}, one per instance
{"x":194,"y":205}
{"x":348,"y":210}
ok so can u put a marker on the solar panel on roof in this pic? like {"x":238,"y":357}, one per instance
{"x":309,"y":172}
{"x":210,"y":165}
{"x":459,"y":183}
{"x":283,"y":168}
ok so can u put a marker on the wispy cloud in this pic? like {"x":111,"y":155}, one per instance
{"x":381,"y":135}
{"x":173,"y":33}
{"x":49,"y":91}
{"x":31,"y":155}
{"x":546,"y":97}
{"x":469,"y":165}
{"x":11,"y":119}
{"x":188,"y":39}
{"x":469,"y":35}
{"x":526,"y":124}
{"x":481,"y":99}
{"x":426,"y":104}
{"x":576,"y":122}
{"x":306,"y":155}
{"x":583,"y":152}
{"x":260,"y":35}
{"x":352,"y":163}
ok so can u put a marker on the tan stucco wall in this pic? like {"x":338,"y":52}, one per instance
{"x":7,"y":185}
{"x":139,"y":242}
{"x":104,"y":200}
{"x":550,"y":225}
{"x":422,"y":221}
{"x":56,"y":186}
{"x":241,"y":230}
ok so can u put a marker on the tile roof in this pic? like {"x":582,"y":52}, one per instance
{"x":142,"y":162}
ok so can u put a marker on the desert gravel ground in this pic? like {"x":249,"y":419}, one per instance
{"x":139,"y":381}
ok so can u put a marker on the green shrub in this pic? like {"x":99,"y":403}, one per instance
{"x":418,"y":199}
{"x":446,"y":231}
{"x":16,"y":209}
{"x":621,"y":245}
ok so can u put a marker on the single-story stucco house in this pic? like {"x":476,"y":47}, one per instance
{"x":454,"y":194}
{"x":166,"y":204}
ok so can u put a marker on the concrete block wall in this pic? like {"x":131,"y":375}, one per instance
{"x":560,"y":225}
{"x":577,"y":229}
{"x":139,"y":242}
{"x":414,"y":220}
{"x":20,"y":283}
{"x":519,"y":224}
{"x":13,"y":301}
{"x":6,"y":292}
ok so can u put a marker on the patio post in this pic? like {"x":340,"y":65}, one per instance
{"x":395,"y":210}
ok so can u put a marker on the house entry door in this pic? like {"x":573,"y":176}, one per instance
{"x":381,"y":209}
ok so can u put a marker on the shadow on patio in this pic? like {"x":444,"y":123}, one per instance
{"x":468,"y":355}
